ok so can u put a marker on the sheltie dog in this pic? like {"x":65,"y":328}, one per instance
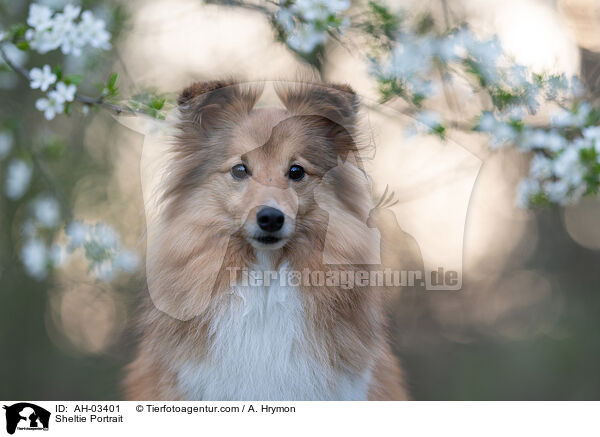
{"x":263,"y":189}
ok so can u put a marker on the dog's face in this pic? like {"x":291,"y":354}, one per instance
{"x":251,"y":174}
{"x":244,"y":181}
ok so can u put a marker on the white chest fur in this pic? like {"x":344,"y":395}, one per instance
{"x":259,"y":350}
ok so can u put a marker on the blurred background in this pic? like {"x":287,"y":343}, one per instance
{"x":523,"y":327}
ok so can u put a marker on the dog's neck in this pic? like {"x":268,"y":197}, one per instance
{"x":265,"y":259}
{"x":262,"y":347}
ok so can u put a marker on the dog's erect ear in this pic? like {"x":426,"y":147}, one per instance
{"x":338,"y":103}
{"x":207,"y":103}
{"x":331,"y":110}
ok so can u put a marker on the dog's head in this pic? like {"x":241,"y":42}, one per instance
{"x":250,"y":174}
{"x":244,"y":182}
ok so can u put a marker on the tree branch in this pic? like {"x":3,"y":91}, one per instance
{"x":81,"y":98}
{"x":243,"y":5}
{"x":18,"y":69}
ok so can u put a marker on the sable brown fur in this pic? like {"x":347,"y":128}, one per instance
{"x":202,"y":209}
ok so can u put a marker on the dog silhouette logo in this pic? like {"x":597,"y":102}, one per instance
{"x":339,"y":218}
{"x":26,"y":416}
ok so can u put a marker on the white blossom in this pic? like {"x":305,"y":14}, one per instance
{"x":582,"y":113}
{"x":6,"y":144}
{"x":559,"y":170}
{"x":57,"y":4}
{"x":71,"y":12}
{"x":314,"y":10}
{"x":18,"y":177}
{"x":286,"y":19}
{"x":562,"y":118}
{"x":39,"y":17}
{"x":487,"y":122}
{"x":446,"y":49}
{"x":126,"y":261}
{"x":516,"y":76}
{"x":51,"y":105}
{"x":102,"y":248}
{"x":106,"y":236}
{"x":592,"y":134}
{"x":47,"y":211}
{"x":104,"y":271}
{"x":540,"y":167}
{"x":557,"y":191}
{"x":576,"y":118}
{"x":93,"y":31}
{"x":555,"y":141}
{"x":63,"y":92}
{"x":533,"y":139}
{"x":412,"y":56}
{"x":42,"y":78}
{"x":502,"y":135}
{"x":525,"y":190}
{"x":576,"y":87}
{"x":515,"y":113}
{"x":44,"y":41}
{"x":554,"y":85}
{"x":62,"y":30}
{"x":430,"y":119}
{"x":541,"y":139}
{"x":307,"y":22}
{"x":568,"y":167}
{"x":71,"y":41}
{"x":33,"y":255}
{"x":305,"y":38}
{"x":411,"y":61}
{"x":486,"y":55}
{"x":77,"y":233}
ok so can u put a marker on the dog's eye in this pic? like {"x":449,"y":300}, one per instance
{"x":296,"y":173}
{"x":239,"y":171}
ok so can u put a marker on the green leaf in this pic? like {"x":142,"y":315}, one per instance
{"x":111,"y":90}
{"x":502,"y":98}
{"x":22,"y":45}
{"x":381,"y":22}
{"x":54,"y":149}
{"x":418,"y":99}
{"x":74,"y":79}
{"x":539,"y":199}
{"x":389,"y":88}
{"x":17,"y":32}
{"x":440,"y":131}
{"x":112,"y":81}
{"x":58,"y":72}
{"x":425,"y":24}
{"x":589,"y":157}
{"x":158,"y":103}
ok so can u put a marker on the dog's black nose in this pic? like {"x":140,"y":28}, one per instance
{"x":269,"y":219}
